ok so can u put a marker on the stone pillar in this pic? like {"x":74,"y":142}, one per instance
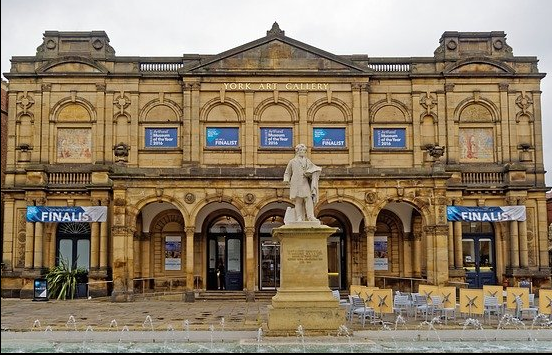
{"x":523,"y":246}
{"x":39,"y":246}
{"x":94,"y":245}
{"x":249,"y":259}
{"x":29,"y":243}
{"x":458,"y":262}
{"x":451,"y":255}
{"x":430,"y":254}
{"x":8,"y":258}
{"x":417,"y":255}
{"x":514,"y":244}
{"x":190,"y":230}
{"x":103,"y":245}
{"x":440,"y":248}
{"x":370,"y":273}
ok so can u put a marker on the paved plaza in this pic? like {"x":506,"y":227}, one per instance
{"x":102,"y":314}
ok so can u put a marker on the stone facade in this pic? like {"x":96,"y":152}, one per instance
{"x":188,"y":155}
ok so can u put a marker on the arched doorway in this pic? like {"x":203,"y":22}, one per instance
{"x":225,"y":252}
{"x":478,"y":255}
{"x":73,"y":244}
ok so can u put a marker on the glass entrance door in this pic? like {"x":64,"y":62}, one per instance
{"x":478,"y":258}
{"x":270,"y":264}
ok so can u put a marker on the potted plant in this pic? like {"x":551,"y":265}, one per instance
{"x":63,"y":281}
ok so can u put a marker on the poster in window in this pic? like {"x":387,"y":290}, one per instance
{"x":390,"y":138}
{"x":173,"y":253}
{"x":276,"y":137}
{"x":74,"y":145}
{"x":476,"y":144}
{"x":161,"y":137}
{"x":222,"y":137}
{"x":328,"y":138}
{"x":380,"y":253}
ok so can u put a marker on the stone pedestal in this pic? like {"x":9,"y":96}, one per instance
{"x":304,"y":297}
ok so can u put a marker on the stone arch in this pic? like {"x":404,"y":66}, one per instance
{"x":390,"y":105}
{"x":334,"y":103}
{"x":82,"y":102}
{"x":228,"y":102}
{"x":166,"y":217}
{"x":423,"y":209}
{"x":70,"y":60}
{"x":270,"y":102}
{"x":203,"y":210}
{"x":520,"y":114}
{"x":524,"y":135}
{"x":134,"y":210}
{"x":480,"y":60}
{"x":336,"y":200}
{"x":153,"y":104}
{"x":485,"y":103}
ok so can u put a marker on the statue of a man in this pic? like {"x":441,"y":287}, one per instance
{"x":302,"y":176}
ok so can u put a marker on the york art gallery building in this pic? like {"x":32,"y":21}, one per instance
{"x":150,"y":171}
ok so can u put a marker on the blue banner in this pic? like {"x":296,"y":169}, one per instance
{"x":223,"y":137}
{"x":276,"y":137}
{"x":161,"y":137}
{"x":389,"y":138}
{"x":328,"y":137}
{"x":486,"y":214}
{"x":66,"y":214}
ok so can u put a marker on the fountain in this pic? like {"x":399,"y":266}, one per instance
{"x":147,"y":321}
{"x":71,"y":322}
{"x":113,"y":324}
{"x":36,"y":324}
{"x":186,"y":327}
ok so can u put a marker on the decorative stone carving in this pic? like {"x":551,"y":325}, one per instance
{"x":371,"y":197}
{"x":449,"y":87}
{"x":428,"y":102}
{"x":122,"y":102}
{"x":46,"y":87}
{"x":25,"y":102}
{"x":452,"y":45}
{"x":120,"y":151}
{"x":524,"y":102}
{"x":101,"y":87}
{"x":119,"y":201}
{"x":275,"y":30}
{"x":249,"y":198}
{"x":435,"y":151}
{"x":189,"y":198}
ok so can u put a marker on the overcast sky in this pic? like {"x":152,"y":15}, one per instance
{"x":382,"y":28}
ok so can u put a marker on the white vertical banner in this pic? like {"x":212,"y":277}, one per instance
{"x":173,"y":253}
{"x":380,"y":253}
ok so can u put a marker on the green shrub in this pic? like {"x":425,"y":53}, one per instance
{"x":62,"y":280}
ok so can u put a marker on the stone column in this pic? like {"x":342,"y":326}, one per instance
{"x":523,"y":246}
{"x":249,"y":259}
{"x":441,"y":254}
{"x":38,"y":245}
{"x":430,"y":254}
{"x":458,"y":262}
{"x":94,"y":245}
{"x":103,"y":245}
{"x":29,"y":243}
{"x":514,"y":244}
{"x":8,"y":258}
{"x":190,"y":230}
{"x":417,"y":255}
{"x":370,"y":273}
{"x":451,"y":255}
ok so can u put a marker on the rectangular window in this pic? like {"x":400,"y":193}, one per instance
{"x":328,"y":138}
{"x":394,"y":138}
{"x":161,"y":138}
{"x":222,"y":137}
{"x":276,"y":137}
